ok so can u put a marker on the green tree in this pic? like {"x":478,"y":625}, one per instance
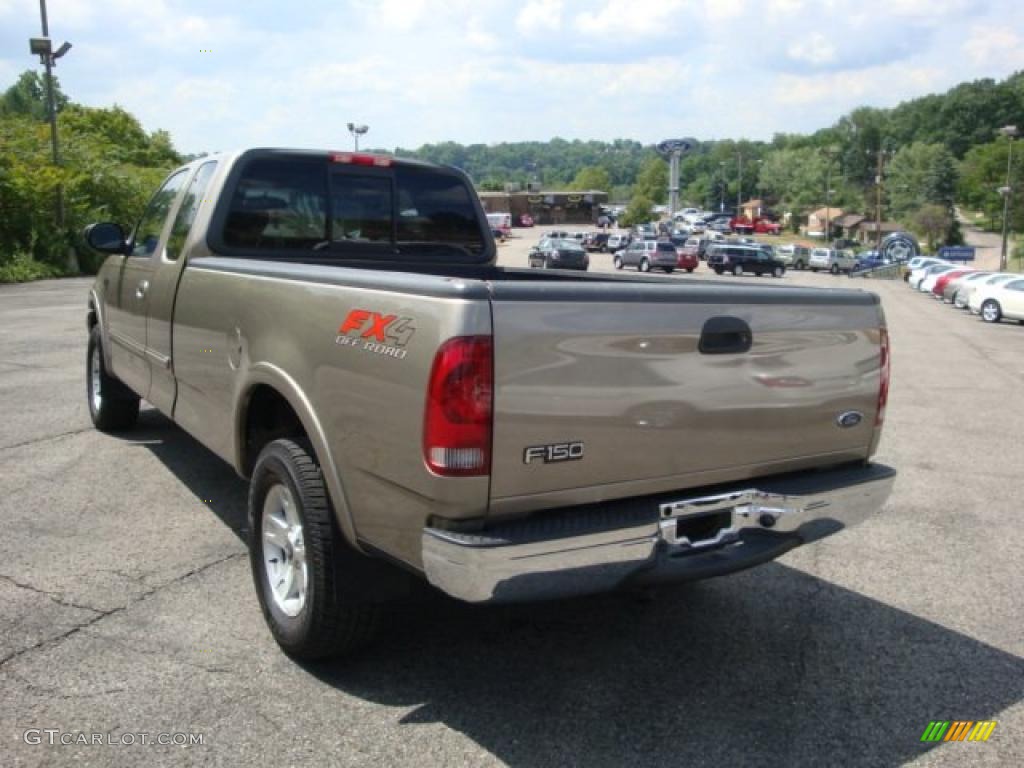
{"x":638,"y":211}
{"x":932,"y":222}
{"x":28,"y":97}
{"x":593,"y":177}
{"x":652,"y":181}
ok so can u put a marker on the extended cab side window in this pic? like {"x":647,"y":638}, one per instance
{"x":147,"y":232}
{"x":195,"y":197}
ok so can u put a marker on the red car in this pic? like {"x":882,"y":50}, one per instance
{"x":688,"y":257}
{"x":526,"y":220}
{"x":767,"y":227}
{"x":943,"y":281}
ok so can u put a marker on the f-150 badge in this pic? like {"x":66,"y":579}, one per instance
{"x":373,"y":332}
{"x":555,"y":452}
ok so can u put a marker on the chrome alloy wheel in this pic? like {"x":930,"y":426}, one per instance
{"x":94,"y":380}
{"x":284,"y":551}
{"x":990,"y":312}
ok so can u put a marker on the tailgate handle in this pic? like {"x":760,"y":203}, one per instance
{"x":725,"y":335}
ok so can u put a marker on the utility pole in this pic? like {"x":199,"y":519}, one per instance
{"x":43,"y":47}
{"x":1009,"y":131}
{"x":878,"y":203}
{"x":721,"y":188}
{"x":739,"y":182}
{"x":829,"y":155}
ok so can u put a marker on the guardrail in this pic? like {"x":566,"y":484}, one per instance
{"x":884,"y":272}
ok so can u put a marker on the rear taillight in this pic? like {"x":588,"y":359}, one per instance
{"x":457,"y":422}
{"x":884,"y":373}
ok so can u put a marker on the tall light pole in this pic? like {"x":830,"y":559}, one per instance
{"x":1010,"y":132}
{"x":357,"y":130}
{"x":721,"y":188}
{"x":739,"y":181}
{"x":674,"y":149}
{"x":830,"y":153}
{"x":43,"y":47}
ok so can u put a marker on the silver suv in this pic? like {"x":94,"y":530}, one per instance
{"x":648,"y":254}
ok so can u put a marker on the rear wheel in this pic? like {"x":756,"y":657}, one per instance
{"x":737,"y":270}
{"x":958,"y":302}
{"x":719,"y":270}
{"x":645,"y":265}
{"x":112,"y":406}
{"x":298,"y":558}
{"x":801,"y":266}
{"x":617,"y":262}
{"x":778,"y":272}
{"x":834,"y":269}
{"x":690,"y":270}
{"x":991,"y":312}
{"x":669,"y":270}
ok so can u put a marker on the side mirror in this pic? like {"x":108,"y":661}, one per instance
{"x":106,"y":237}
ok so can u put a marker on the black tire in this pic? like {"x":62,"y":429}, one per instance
{"x":333,"y":619}
{"x":112,"y":406}
{"x":738,"y":270}
{"x":645,"y":265}
{"x":617,"y":262}
{"x":669,"y":270}
{"x":834,"y":269}
{"x":719,"y":270}
{"x":689,"y":270}
{"x":800,"y":266}
{"x":991,"y":312}
{"x":778,"y":272}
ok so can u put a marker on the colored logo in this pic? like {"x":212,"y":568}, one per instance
{"x":371,"y":331}
{"x":958,"y":730}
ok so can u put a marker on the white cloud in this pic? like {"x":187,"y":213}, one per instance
{"x":815,"y":49}
{"x":989,"y":44}
{"x":540,"y":16}
{"x":724,"y":10}
{"x":622,"y":20}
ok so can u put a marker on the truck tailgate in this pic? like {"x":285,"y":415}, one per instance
{"x":620,"y":367}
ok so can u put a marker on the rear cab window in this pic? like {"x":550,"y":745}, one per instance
{"x":310,"y":204}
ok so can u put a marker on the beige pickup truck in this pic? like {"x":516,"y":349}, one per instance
{"x":334,"y":326}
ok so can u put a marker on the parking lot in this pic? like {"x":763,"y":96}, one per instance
{"x":126,"y":603}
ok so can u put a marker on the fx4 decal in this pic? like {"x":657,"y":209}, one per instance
{"x":371,"y":331}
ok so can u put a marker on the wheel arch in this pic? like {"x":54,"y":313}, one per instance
{"x":268,"y":384}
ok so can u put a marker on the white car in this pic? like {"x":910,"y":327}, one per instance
{"x":617,"y":241}
{"x":934,"y":273}
{"x":919,"y":262}
{"x":919,"y":274}
{"x":963,"y":296}
{"x":994,"y":302}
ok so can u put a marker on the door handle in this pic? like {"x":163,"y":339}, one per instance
{"x":141,"y":288}
{"x":725,"y":335}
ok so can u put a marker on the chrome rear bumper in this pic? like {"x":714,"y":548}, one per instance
{"x":596,"y":548}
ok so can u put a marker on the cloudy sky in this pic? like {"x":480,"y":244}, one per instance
{"x":228,"y":74}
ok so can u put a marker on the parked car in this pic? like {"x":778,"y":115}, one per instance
{"x":831,"y":260}
{"x":698,"y":228}
{"x":617,"y":241}
{"x":557,"y":234}
{"x":921,"y":272}
{"x":794,"y":255}
{"x":432,"y":412}
{"x":689,"y":255}
{"x":962,"y":298}
{"x":559,"y":253}
{"x":596,"y":241}
{"x":945,"y":278}
{"x":994,"y":302}
{"x":743,"y":258}
{"x":526,"y":220}
{"x":502,"y":222}
{"x":953,"y":286}
{"x":934,"y":273}
{"x":763,"y":226}
{"x":918,"y":262}
{"x":646,"y":255}
{"x":720,"y":225}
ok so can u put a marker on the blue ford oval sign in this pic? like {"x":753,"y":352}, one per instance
{"x":849,"y":419}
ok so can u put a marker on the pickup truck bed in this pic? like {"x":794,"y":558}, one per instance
{"x":507,"y":434}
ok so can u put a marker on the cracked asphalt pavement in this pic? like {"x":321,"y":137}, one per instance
{"x":126,"y":603}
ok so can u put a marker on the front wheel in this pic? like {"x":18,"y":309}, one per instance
{"x":298,"y":558}
{"x":958,"y":302}
{"x":834,"y":269}
{"x":617,"y":262}
{"x":737,"y":270}
{"x":689,"y":270}
{"x":991,"y":312}
{"x":112,"y":406}
{"x":719,"y":270}
{"x":645,"y":265}
{"x":800,"y":266}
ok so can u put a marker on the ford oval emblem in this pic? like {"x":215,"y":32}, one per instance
{"x":849,"y":419}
